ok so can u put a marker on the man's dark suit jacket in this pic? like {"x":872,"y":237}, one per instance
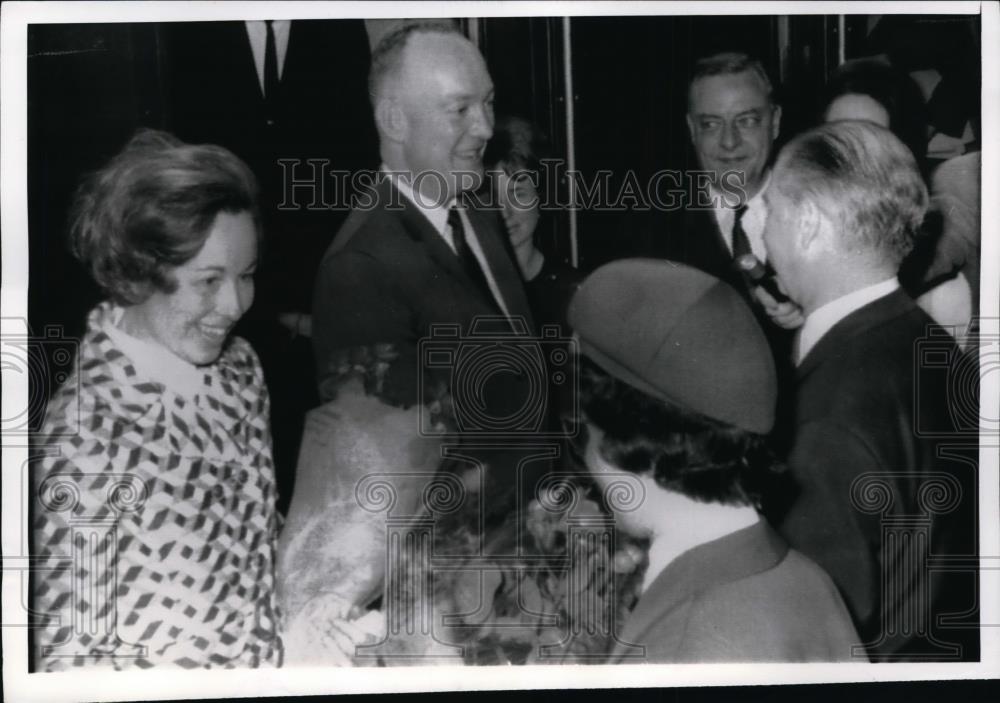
{"x":743,"y":597}
{"x":861,"y":398}
{"x":389,"y":277}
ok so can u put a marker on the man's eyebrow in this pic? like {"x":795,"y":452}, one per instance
{"x":464,"y":95}
{"x":214,"y":267}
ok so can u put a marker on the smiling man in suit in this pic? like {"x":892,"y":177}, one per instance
{"x":844,"y":203}
{"x":415,"y":253}
{"x":733,"y":120}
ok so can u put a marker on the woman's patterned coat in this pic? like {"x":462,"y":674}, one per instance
{"x":154,"y":519}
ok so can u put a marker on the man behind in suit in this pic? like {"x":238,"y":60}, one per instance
{"x":844,"y":203}
{"x":414,"y":255}
{"x":733,"y":121}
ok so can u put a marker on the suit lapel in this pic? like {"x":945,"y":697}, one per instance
{"x":503,"y":268}
{"x":243,"y":57}
{"x":421,"y":230}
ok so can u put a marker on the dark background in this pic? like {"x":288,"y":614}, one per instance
{"x":91,"y":86}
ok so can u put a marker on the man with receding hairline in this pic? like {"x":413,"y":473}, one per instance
{"x":844,"y":203}
{"x":420,"y":256}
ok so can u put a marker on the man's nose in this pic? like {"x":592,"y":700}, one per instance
{"x":731,"y":137}
{"x":482,"y":122}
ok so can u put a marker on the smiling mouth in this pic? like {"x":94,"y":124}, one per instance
{"x":475,"y":154}
{"x":215,"y":333}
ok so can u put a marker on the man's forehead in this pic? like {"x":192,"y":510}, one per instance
{"x":728,"y":92}
{"x":448,"y":64}
{"x":434,"y":48}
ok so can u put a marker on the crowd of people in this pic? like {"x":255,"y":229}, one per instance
{"x":766,"y":421}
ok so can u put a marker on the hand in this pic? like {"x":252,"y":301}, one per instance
{"x":299,"y":324}
{"x":787,"y":315}
{"x":325,"y":632}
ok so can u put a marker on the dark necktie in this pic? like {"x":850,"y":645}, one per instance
{"x":468,"y":260}
{"x":741,"y":245}
{"x":270,"y":74}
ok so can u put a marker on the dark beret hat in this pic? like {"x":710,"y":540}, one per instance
{"x":679,"y":335}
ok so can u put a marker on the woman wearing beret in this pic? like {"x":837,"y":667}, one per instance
{"x":154,"y":509}
{"x":677,"y":392}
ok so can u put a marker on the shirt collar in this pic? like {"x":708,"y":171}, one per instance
{"x":719,"y":198}
{"x":822,"y":319}
{"x":436,"y":215}
{"x":154,"y":361}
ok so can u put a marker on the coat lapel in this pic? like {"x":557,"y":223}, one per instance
{"x":503,"y":268}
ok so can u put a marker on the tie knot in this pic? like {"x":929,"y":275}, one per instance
{"x":740,"y":211}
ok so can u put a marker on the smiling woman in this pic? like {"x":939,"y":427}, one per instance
{"x":161,"y":482}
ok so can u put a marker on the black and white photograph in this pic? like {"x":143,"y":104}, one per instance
{"x":387,"y":347}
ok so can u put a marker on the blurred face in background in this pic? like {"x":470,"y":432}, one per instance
{"x":213,"y":291}
{"x":856,"y":106}
{"x":519,"y":206}
{"x":733,"y":124}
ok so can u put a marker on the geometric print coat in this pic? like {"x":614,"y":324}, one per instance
{"x":154,"y":521}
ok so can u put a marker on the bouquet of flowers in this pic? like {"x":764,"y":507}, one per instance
{"x":553,"y":584}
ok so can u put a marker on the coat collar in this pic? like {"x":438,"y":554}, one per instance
{"x":859,"y":322}
{"x":108,"y":373}
{"x":735,"y":556}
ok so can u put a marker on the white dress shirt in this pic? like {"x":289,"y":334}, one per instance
{"x":822,"y":319}
{"x":257,"y":33}
{"x":754,"y":220}
{"x":438,"y":217}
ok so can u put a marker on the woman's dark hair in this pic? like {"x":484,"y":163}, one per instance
{"x":151,"y":208}
{"x":687,"y":452}
{"x":517,"y":145}
{"x":894,"y":90}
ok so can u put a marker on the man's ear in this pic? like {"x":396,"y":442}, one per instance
{"x":690,"y":122}
{"x":813,"y":230}
{"x":775,"y":122}
{"x":391,"y":119}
